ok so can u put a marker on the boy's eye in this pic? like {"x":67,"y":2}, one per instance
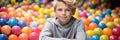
{"x":59,"y":9}
{"x":67,"y":9}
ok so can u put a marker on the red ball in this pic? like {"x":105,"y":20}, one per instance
{"x":16,"y":30}
{"x":33,"y":36}
{"x":113,"y":37}
{"x":116,"y":31}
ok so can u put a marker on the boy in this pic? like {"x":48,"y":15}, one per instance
{"x":64,"y":26}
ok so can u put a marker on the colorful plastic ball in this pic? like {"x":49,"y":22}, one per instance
{"x":47,"y":16}
{"x":102,"y":15}
{"x":3,"y":37}
{"x":34,"y":24}
{"x":22,"y":24}
{"x":26,"y":30}
{"x":12,"y":37}
{"x":42,"y":21}
{"x":33,"y":36}
{"x":110,"y":25}
{"x":36,"y":7}
{"x":108,"y":12}
{"x":12,"y":21}
{"x":95,"y":37}
{"x":40,"y":27}
{"x":98,"y":31}
{"x":117,"y":25}
{"x":113,"y":37}
{"x":101,"y":25}
{"x":116,"y":31}
{"x":89,"y":38}
{"x":12,"y":14}
{"x":117,"y":21}
{"x":92,"y":26}
{"x":6,"y":29}
{"x":90,"y":33}
{"x":94,"y":20}
{"x":104,"y":37}
{"x":5,"y":9}
{"x":36,"y":29}
{"x":86,"y":22}
{"x":118,"y":37}
{"x":36,"y":14}
{"x":23,"y":36}
{"x":3,"y":21}
{"x":16,"y":30}
{"x":107,"y":31}
{"x":98,"y":18}
{"x":6,"y":17}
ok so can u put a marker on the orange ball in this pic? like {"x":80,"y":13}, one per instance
{"x":12,"y":37}
{"x":86,"y":27}
{"x":6,"y":29}
{"x":23,"y":36}
{"x":26,"y":30}
{"x":107,"y":31}
{"x":12,"y":14}
{"x":92,"y":26}
{"x":86,"y":22}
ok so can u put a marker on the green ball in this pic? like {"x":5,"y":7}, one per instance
{"x":104,"y":37}
{"x":98,"y":31}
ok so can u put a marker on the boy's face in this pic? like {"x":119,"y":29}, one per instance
{"x":63,"y":12}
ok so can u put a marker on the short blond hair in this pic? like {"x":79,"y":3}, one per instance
{"x":72,"y":4}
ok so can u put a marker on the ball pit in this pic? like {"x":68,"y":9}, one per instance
{"x":25,"y":19}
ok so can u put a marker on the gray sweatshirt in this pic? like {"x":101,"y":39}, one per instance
{"x":53,"y":30}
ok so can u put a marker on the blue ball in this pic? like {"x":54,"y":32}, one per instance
{"x":12,"y":21}
{"x":108,"y":12}
{"x":3,"y":21}
{"x":47,"y":16}
{"x":3,"y":37}
{"x":102,"y":15}
{"x":21,"y":24}
{"x":34,"y":24}
{"x":39,"y":3}
{"x":94,"y":20}
{"x":101,"y":25}
{"x":99,"y":18}
{"x":89,"y":38}
{"x":95,"y":37}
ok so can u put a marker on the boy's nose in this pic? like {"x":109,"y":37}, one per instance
{"x":63,"y":12}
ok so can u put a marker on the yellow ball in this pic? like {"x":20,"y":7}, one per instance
{"x":36,"y":7}
{"x":90,"y":33}
{"x":42,"y":21}
{"x":13,"y":1}
{"x":41,"y":11}
{"x":104,"y":37}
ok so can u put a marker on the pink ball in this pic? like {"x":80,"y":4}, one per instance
{"x":36,"y":29}
{"x":16,"y":30}
{"x":117,"y":25}
{"x":118,"y":37}
{"x":113,"y":37}
{"x":33,"y":36}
